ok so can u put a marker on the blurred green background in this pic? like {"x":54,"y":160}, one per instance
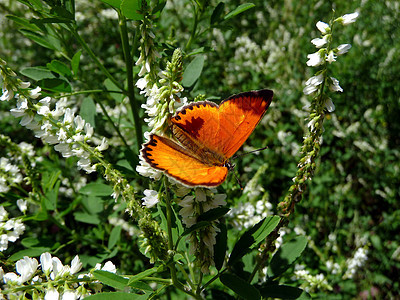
{"x":353,"y":201}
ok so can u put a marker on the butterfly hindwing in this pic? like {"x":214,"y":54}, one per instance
{"x":166,"y":155}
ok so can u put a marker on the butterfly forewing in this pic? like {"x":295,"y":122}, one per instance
{"x":239,"y":115}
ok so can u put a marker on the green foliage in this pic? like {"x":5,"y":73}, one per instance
{"x":77,"y":50}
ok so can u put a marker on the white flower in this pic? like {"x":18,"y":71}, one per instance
{"x":323,"y":27}
{"x":68,"y":116}
{"x":12,"y":277}
{"x":342,"y":49}
{"x":22,"y":205}
{"x":3,"y":242}
{"x":69,"y":295}
{"x":320,"y":42}
{"x":52,"y":294}
{"x":26,"y":267}
{"x":79,"y":122}
{"x":315,"y":59}
{"x":35,"y":92}
{"x":88,"y":130}
{"x":151,"y":198}
{"x":76,"y":265}
{"x":59,"y":270}
{"x":7,"y":95}
{"x":329,"y":105}
{"x":25,"y":85}
{"x":108,"y":266}
{"x":46,"y":262}
{"x":335,"y":87}
{"x":331,"y":57}
{"x":313,"y":83}
{"x":103,"y":146}
{"x":348,"y":18}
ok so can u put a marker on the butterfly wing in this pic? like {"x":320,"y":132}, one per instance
{"x":166,"y":155}
{"x":222,"y":129}
{"x":239,"y":115}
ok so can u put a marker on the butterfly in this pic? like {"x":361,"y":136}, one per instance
{"x":206,"y":136}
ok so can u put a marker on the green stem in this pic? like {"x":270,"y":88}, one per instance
{"x":95,"y":59}
{"x":194,"y":29}
{"x":130,"y":81}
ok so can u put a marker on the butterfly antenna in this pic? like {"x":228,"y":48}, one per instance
{"x":239,"y":155}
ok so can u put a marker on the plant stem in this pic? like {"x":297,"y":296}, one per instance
{"x":129,"y":76}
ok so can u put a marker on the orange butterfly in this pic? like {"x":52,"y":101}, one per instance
{"x":207,"y":135}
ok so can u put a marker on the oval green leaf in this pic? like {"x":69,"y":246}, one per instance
{"x":193,"y":71}
{"x":286,"y":255}
{"x":240,"y":286}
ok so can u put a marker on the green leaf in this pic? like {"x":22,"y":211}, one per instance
{"x":115,"y":92}
{"x":113,"y":3}
{"x":130,"y":9}
{"x":197,"y":226}
{"x":115,"y":236}
{"x":193,"y":71}
{"x":142,"y":275}
{"x":88,"y":111}
{"x":240,"y":286}
{"x":59,"y":67}
{"x":39,"y":39}
{"x":238,"y":10}
{"x":31,"y":252}
{"x":216,"y":14}
{"x":62,"y":12}
{"x":220,"y":246}
{"x":111,"y":279}
{"x":37,"y":73}
{"x":253,"y":237}
{"x":117,"y":295}
{"x":24,"y":23}
{"x":283,"y":292}
{"x":96,"y":189}
{"x":86,"y":218}
{"x":55,"y":85}
{"x":213,"y":214}
{"x":50,"y":20}
{"x":75,"y":62}
{"x":286,"y":255}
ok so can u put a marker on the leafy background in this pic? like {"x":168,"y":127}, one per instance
{"x":353,"y":200}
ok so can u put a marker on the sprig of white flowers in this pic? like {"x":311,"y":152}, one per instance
{"x":50,"y":279}
{"x":59,"y":126}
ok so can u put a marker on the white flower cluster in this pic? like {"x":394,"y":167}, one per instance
{"x":151,"y":198}
{"x":10,"y":229}
{"x":354,"y":263}
{"x":58,"y":126}
{"x":312,"y":282}
{"x":248,"y":214}
{"x":326,"y":54}
{"x":9,"y":175}
{"x":161,"y":103}
{"x":207,"y":198}
{"x":54,"y":278}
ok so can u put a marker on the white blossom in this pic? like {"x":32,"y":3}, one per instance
{"x":320,"y":42}
{"x":26,"y":267}
{"x":331,"y":57}
{"x":151,"y":198}
{"x":323,"y":27}
{"x":76,"y":265}
{"x":335,"y":87}
{"x":315,"y":59}
{"x":51,"y":294}
{"x":348,"y":18}
{"x":342,"y":49}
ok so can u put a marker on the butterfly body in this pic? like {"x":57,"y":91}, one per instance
{"x":205,"y":137}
